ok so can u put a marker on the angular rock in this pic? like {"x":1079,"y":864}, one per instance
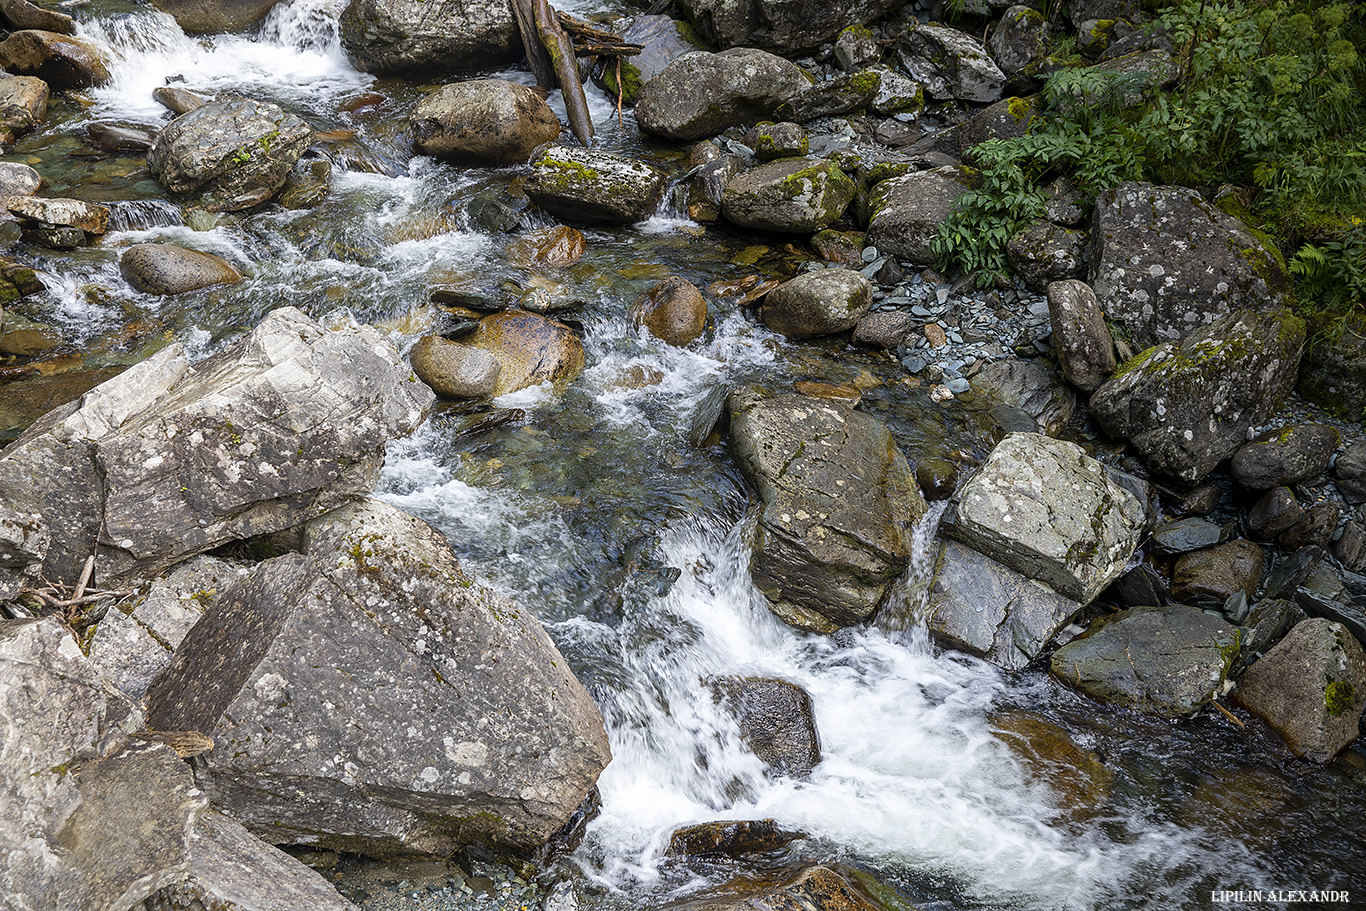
{"x":1188,"y":405}
{"x":708,"y":185}
{"x":177,"y":101}
{"x":776,"y":721}
{"x":591,"y":186}
{"x":1045,"y":252}
{"x":700,"y":94}
{"x":1314,"y":528}
{"x":986,"y":609}
{"x":1045,"y":508}
{"x":366,"y":696}
{"x":1030,"y":387}
{"x":72,"y":213}
{"x":1268,"y":621}
{"x":1185,"y":535}
{"x":1285,"y":456}
{"x":884,"y":330}
{"x":24,"y":540}
{"x":772,"y":141}
{"x":1141,"y":586}
{"x":820,"y":302}
{"x":1008,"y":118}
{"x":1334,"y":371}
{"x":674,"y":311}
{"x":234,"y":153}
{"x":897,"y":94}
{"x":838,"y":503}
{"x":844,"y":94}
{"x":731,"y":839}
{"x":62,"y":61}
{"x":308,"y":184}
{"x":215,"y":17}
{"x":1310,"y":688}
{"x":662,"y":38}
{"x":1161,"y":660}
{"x":1350,"y":471}
{"x":398,"y":36}
{"x":908,"y":210}
{"x":1217,"y":573}
{"x":21,"y":14}
{"x":1275,"y":512}
{"x":453,"y":370}
{"x":530,"y":349}
{"x":1350,"y":547}
{"x":781,"y":26}
{"x":1166,"y":263}
{"x":483,"y":121}
{"x":1086,"y":352}
{"x":1019,"y":39}
{"x":856,"y":47}
{"x":950,"y":64}
{"x":168,"y":269}
{"x":23,"y":103}
{"x":791,"y":195}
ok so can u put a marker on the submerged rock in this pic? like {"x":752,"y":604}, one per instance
{"x":818,"y":888}
{"x":168,"y":269}
{"x":366,"y":696}
{"x":700,"y":94}
{"x":483,"y":121}
{"x":398,"y":36}
{"x":453,"y":370}
{"x":776,"y":722}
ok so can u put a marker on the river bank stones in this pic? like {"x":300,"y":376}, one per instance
{"x":949,"y":64}
{"x":1086,"y":352}
{"x":168,"y":269}
{"x":483,"y":120}
{"x":820,"y":302}
{"x":700,"y":94}
{"x":1284,"y":456}
{"x":790,"y":195}
{"x":397,"y":36}
{"x":776,"y":721}
{"x":908,"y":210}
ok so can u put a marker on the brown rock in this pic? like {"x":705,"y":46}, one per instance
{"x":484,"y":120}
{"x":756,"y":836}
{"x":531,"y":349}
{"x":62,"y":61}
{"x":455,"y":371}
{"x":935,"y":335}
{"x":674,"y":311}
{"x":549,"y":248}
{"x":72,"y":213}
{"x":20,"y":14}
{"x":177,"y":101}
{"x":23,"y":103}
{"x":1218,"y":572}
{"x":168,"y":269}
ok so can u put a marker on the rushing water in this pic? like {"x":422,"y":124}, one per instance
{"x":584,"y":507}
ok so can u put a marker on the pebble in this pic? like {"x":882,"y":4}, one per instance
{"x":914,"y":364}
{"x":869,"y":254}
{"x":958,"y":385}
{"x":918,"y":310}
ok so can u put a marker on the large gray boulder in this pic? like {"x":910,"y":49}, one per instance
{"x":232,"y":153}
{"x":167,"y":460}
{"x":1165,"y":262}
{"x":1031,"y":387}
{"x":1045,"y":508}
{"x":1160,"y":660}
{"x":908,"y":210}
{"x":700,"y":94}
{"x":1285,"y":456}
{"x":1019,"y":39}
{"x":169,"y":269}
{"x":987,"y":609}
{"x":837,"y":506}
{"x":87,"y":819}
{"x":215,"y":17}
{"x":397,"y":36}
{"x":781,"y":26}
{"x":791,"y":195}
{"x":820,"y":302}
{"x":1310,"y":688}
{"x":1187,"y":405}
{"x":590,"y":186}
{"x":950,"y":64}
{"x":366,"y":695}
{"x":487,"y":121}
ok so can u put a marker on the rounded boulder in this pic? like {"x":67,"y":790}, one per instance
{"x":62,"y":61}
{"x":484,"y":120}
{"x":530,"y":349}
{"x":166,"y":269}
{"x":793,"y":195}
{"x":674,"y":311}
{"x":817,"y":303}
{"x":455,"y":371}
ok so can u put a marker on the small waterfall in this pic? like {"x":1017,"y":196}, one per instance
{"x":142,"y":214}
{"x":306,"y":25}
{"x":902,"y":616}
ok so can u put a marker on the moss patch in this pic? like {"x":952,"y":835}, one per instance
{"x":1339,"y":697}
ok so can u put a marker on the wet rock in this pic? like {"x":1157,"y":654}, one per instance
{"x":18,"y":180}
{"x":731,"y":839}
{"x":120,"y":139}
{"x":1078,"y":777}
{"x":1325,"y":593}
{"x":1141,"y":586}
{"x":1218,"y":572}
{"x":1086,"y":352}
{"x":483,"y":121}
{"x":21,"y":14}
{"x":776,"y":721}
{"x":175,"y":100}
{"x":1019,"y":39}
{"x":661,"y":38}
{"x":1046,"y":509}
{"x":1310,"y":688}
{"x":843,"y":94}
{"x":1160,"y":660}
{"x":1274,"y":513}
{"x":700,"y":94}
{"x":856,"y":47}
{"x":949,"y":64}
{"x":838,"y":504}
{"x":215,"y":17}
{"x":907,"y":211}
{"x":1292,"y":572}
{"x":23,"y":104}
{"x":530,"y":349}
{"x":162,"y":462}
{"x":398,"y":36}
{"x":1285,"y":456}
{"x":168,"y":269}
{"x":792,"y":195}
{"x":16,"y":281}
{"x":381,"y":730}
{"x":708,"y":186}
{"x":1350,"y":471}
{"x":820,"y":302}
{"x":1314,"y":528}
{"x":29,"y":338}
{"x":548,"y":248}
{"x":1185,"y":535}
{"x":1030,"y":387}
{"x":772,"y":141}
{"x":884,"y":330}
{"x":232,"y":870}
{"x":62,"y":61}
{"x":455,"y":371}
{"x":1188,"y":405}
{"x":936,"y":478}
{"x":1166,"y":263}
{"x":71,"y":213}
{"x":1267,"y":623}
{"x":232,"y":153}
{"x":781,"y":26}
{"x":986,"y":609}
{"x":308,"y":184}
{"x":55,"y":237}
{"x":591,"y":186}
{"x":1334,"y":370}
{"x":674,"y":311}
{"x":842,"y":248}
{"x":1045,"y":252}
{"x":818,"y":888}
{"x":1350,"y":548}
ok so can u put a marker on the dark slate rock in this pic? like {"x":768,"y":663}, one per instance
{"x":1141,"y":586}
{"x":1275,"y":512}
{"x":1350,"y":471}
{"x":399,"y":36}
{"x":1186,"y":534}
{"x":1045,"y":252}
{"x":1268,"y":621}
{"x":1291,"y":573}
{"x":776,"y":721}
{"x":1030,"y":386}
{"x":1350,"y":548}
{"x":1312,"y":529}
{"x":781,"y":26}
{"x":1285,"y":456}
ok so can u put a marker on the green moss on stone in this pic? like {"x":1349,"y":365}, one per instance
{"x":1339,"y":697}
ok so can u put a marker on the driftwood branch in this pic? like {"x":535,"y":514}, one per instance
{"x":562,"y":57}
{"x":536,"y":57}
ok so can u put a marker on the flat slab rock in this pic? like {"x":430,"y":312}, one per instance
{"x":1046,"y":509}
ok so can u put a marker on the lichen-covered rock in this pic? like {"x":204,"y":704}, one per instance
{"x":1165,"y":262}
{"x":453,"y":370}
{"x":23,"y":103}
{"x":772,"y":141}
{"x":24,"y":540}
{"x":168,"y":269}
{"x":1019,"y":39}
{"x":1008,"y":118}
{"x":781,"y":26}
{"x":483,"y":121}
{"x":62,"y":61}
{"x":843,"y":94}
{"x":365,"y":695}
{"x":819,"y":302}
{"x":1334,"y":370}
{"x":1045,"y":252}
{"x":234,"y":153}
{"x":1284,"y":456}
{"x":530,"y":349}
{"x":71,"y":213}
{"x":793,"y":195}
{"x":950,"y":64}
{"x":1086,"y":352}
{"x":18,"y":180}
{"x":897,"y":94}
{"x":1045,"y":508}
{"x":908,"y":210}
{"x":674,"y":311}
{"x":1188,"y":405}
{"x":661,"y":39}
{"x":591,"y":186}
{"x":1160,"y":660}
{"x":215,"y":17}
{"x":856,"y":47}
{"x":776,"y":721}
{"x":398,"y":36}
{"x":700,"y":94}
{"x":987,"y":609}
{"x":838,"y":503}
{"x":1310,"y":688}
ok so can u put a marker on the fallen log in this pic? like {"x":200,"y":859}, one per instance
{"x":562,"y":57}
{"x":536,"y":57}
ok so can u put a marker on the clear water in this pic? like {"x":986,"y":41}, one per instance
{"x":575,"y":510}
